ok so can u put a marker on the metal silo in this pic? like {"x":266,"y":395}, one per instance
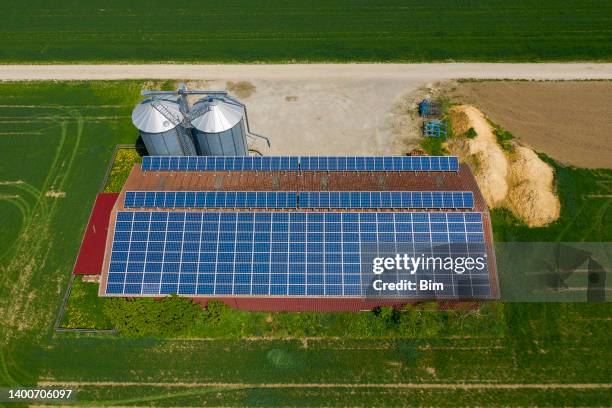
{"x":160,"y":122}
{"x":218,"y":126}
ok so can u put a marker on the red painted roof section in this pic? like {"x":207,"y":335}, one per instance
{"x":91,"y":254}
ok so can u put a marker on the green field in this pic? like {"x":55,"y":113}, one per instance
{"x":55,"y":143}
{"x":291,"y":31}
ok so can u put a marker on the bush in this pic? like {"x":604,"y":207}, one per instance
{"x":425,"y":323}
{"x":409,"y":322}
{"x":388,"y":315}
{"x":471,"y":133}
{"x":144,"y":316}
{"x":215,"y":311}
{"x":433,"y":146}
{"x":503,"y":138}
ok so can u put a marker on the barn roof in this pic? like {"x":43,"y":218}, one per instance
{"x":291,"y":180}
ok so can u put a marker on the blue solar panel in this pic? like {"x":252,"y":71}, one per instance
{"x":307,"y":199}
{"x":219,"y":163}
{"x":386,"y":199}
{"x":379,"y":163}
{"x":305,"y":163}
{"x":274,"y":253}
{"x":210,"y":199}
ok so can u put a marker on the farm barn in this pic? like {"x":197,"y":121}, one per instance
{"x":286,"y":233}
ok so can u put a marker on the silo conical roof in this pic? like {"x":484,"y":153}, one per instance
{"x":216,"y":115}
{"x":148,"y":117}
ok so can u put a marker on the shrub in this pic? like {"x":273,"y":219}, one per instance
{"x":409,"y":322}
{"x":215,"y":311}
{"x":503,"y":138}
{"x":433,"y":146}
{"x":144,"y":316}
{"x":176,"y":314}
{"x":388,"y":315}
{"x":425,"y":323}
{"x":471,"y":133}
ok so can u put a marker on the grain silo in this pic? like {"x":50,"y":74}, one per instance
{"x":218,"y":126}
{"x":160,"y":121}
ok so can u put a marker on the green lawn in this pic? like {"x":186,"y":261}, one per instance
{"x":335,"y":396}
{"x":290,"y":31}
{"x":85,"y":310}
{"x":59,"y":137}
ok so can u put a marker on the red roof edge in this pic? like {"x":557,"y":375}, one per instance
{"x":91,"y":254}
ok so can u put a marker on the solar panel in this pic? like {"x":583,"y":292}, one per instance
{"x":278,"y":253}
{"x":305,"y":163}
{"x":210,"y":199}
{"x":386,"y":199}
{"x":219,"y":163}
{"x":379,"y":163}
{"x":307,"y":199}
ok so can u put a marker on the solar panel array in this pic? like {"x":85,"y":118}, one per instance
{"x":289,"y":252}
{"x":386,"y":199}
{"x":289,"y":199}
{"x":219,"y":163}
{"x":210,"y":199}
{"x":379,"y":163}
{"x":304,"y":163}
{"x":276,"y":253}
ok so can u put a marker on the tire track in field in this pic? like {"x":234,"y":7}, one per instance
{"x":36,"y":239}
{"x":466,"y":386}
{"x":22,"y":275}
{"x":24,"y":210}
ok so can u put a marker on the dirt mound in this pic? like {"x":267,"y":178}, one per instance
{"x":482,"y":153}
{"x":531,"y":194}
{"x":524,"y":164}
{"x":536,"y":206}
{"x":460,"y":121}
{"x":519,"y":181}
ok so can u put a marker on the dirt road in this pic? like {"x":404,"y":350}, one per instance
{"x":417,"y":72}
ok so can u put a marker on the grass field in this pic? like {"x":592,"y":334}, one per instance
{"x":84,"y":308}
{"x":586,"y":210}
{"x":289,"y":31}
{"x":58,"y":138}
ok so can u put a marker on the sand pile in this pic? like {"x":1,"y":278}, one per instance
{"x":519,"y":181}
{"x":531,"y":194}
{"x":460,"y":121}
{"x":483,"y":153}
